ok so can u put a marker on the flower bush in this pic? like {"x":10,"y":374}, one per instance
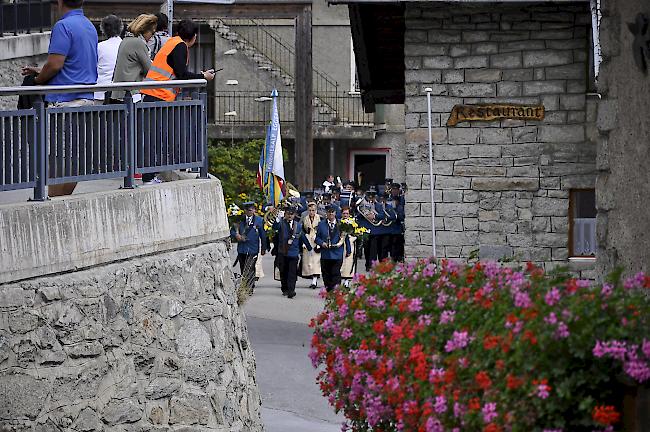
{"x":430,"y":347}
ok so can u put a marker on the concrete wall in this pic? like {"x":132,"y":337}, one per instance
{"x":16,"y":52}
{"x":500,"y":187}
{"x":149,"y":340}
{"x":623,"y":187}
{"x":85,"y":230}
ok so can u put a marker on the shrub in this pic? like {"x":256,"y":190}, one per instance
{"x":449,"y":347}
{"x":236,"y":167}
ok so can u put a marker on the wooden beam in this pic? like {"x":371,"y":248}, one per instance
{"x":304,"y":148}
{"x":196,"y":11}
{"x":361,"y":56}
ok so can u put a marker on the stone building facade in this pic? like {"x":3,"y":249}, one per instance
{"x":623,"y":186}
{"x":501,"y":187}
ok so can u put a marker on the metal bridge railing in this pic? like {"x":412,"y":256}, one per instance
{"x":19,"y":16}
{"x":52,"y":145}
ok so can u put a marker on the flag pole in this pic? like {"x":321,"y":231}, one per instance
{"x":431,"y":181}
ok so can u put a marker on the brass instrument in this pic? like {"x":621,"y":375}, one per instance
{"x":271,"y":215}
{"x":367,"y":210}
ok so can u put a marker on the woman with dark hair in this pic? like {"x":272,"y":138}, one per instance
{"x":171,"y":64}
{"x":133,"y":60}
{"x":111,"y":27}
{"x":160,"y":36}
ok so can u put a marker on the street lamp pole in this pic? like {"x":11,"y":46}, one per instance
{"x":431,"y":181}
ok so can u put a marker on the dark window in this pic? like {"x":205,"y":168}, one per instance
{"x":582,"y":223}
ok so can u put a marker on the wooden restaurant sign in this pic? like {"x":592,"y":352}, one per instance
{"x":490,"y":112}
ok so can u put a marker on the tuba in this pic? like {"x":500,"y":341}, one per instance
{"x":367,"y":210}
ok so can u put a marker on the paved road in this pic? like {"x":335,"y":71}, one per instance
{"x":291,"y":400}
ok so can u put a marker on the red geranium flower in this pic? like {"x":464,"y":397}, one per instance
{"x":605,"y":415}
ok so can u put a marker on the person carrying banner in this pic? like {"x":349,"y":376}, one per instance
{"x":331,"y":242}
{"x":290,"y":238}
{"x":310,"y":260}
{"x":251,"y":239}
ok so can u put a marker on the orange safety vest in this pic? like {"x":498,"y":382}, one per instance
{"x":161,"y":71}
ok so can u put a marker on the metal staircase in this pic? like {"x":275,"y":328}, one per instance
{"x":264,"y":47}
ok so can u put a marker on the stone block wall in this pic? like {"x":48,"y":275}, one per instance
{"x":149,"y":344}
{"x":623,"y":187}
{"x":501,"y":187}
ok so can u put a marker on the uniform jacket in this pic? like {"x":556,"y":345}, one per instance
{"x":398,"y":212}
{"x":325,"y":235}
{"x":254,"y":236}
{"x":296,"y":235}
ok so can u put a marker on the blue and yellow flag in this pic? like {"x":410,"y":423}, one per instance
{"x":270,"y":173}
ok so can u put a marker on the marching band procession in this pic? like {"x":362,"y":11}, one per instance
{"x":320,"y":234}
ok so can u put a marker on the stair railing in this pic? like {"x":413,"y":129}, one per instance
{"x":281,"y":53}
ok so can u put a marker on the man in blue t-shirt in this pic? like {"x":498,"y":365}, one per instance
{"x":72,"y":59}
{"x":72,"y":56}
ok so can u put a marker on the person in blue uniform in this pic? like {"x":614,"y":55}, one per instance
{"x":368,"y":218}
{"x":290,"y":238}
{"x":384,"y":231}
{"x":326,"y":201}
{"x":397,"y":201}
{"x":251,"y":239}
{"x":305,"y":198}
{"x":331,"y":241}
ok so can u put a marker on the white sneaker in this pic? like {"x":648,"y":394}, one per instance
{"x":153,"y":181}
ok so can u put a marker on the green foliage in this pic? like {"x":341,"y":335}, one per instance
{"x":236,"y":167}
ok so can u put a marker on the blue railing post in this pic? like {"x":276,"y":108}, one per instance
{"x":40,"y":194}
{"x":129,"y":180}
{"x":204,"y":135}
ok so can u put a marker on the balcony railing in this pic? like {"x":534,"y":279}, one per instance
{"x":52,"y":145}
{"x":24,"y":16}
{"x":253,"y":108}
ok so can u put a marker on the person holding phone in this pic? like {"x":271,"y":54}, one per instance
{"x":171,"y":63}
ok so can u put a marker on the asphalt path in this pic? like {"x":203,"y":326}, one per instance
{"x":280,"y":336}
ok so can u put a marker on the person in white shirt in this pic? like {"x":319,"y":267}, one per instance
{"x":329,"y":183}
{"x":111,"y":27}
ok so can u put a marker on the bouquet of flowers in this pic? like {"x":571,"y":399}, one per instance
{"x":361,"y":233}
{"x":442,"y":346}
{"x":351,"y":227}
{"x":235,"y":214}
{"x":270,"y":232}
{"x":348,"y":225}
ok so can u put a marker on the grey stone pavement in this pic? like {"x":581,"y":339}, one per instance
{"x":277,"y":327}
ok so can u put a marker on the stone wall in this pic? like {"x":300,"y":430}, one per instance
{"x":16,"y":52}
{"x":623,"y":187}
{"x":500,"y":187}
{"x":149,"y":344}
